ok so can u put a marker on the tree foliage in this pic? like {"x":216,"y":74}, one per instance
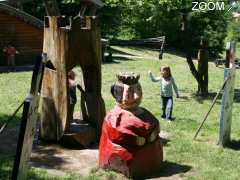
{"x":127,"y":19}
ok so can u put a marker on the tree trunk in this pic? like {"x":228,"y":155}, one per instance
{"x":203,"y":72}
{"x":200,"y":74}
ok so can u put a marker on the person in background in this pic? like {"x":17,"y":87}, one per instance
{"x":167,"y":84}
{"x":10,"y":53}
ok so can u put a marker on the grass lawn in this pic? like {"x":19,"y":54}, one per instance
{"x":201,"y":159}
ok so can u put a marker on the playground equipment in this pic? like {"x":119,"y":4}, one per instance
{"x":227,"y":91}
{"x":69,"y":42}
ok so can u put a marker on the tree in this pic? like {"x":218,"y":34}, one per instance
{"x":174,"y":19}
{"x":211,"y":25}
{"x":51,"y":7}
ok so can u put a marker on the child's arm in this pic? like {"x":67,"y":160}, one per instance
{"x":154,"y":79}
{"x":80,"y":88}
{"x":175,"y":87}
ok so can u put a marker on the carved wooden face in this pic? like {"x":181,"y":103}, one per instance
{"x":127,"y":96}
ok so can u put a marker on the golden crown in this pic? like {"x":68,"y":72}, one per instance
{"x":128,"y":78}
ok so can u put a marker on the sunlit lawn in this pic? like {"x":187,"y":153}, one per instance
{"x":204,"y":159}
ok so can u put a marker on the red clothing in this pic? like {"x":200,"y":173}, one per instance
{"x":10,"y":51}
{"x":119,"y":144}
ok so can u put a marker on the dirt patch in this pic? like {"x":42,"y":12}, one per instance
{"x":54,"y":157}
{"x":57,"y":160}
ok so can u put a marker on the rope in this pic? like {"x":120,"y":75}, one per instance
{"x":11,"y":118}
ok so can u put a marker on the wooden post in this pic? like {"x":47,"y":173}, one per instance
{"x":228,"y":96}
{"x":54,"y":91}
{"x":28,"y":126}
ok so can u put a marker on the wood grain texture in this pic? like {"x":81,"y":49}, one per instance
{"x":67,"y":47}
{"x":27,"y":38}
{"x":54,"y":90}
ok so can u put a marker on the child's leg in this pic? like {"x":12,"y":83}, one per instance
{"x":8,"y":61}
{"x":12,"y":62}
{"x":163,"y":106}
{"x":70,"y":118}
{"x":169,"y":108}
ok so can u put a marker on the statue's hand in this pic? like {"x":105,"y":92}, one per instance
{"x":153,"y":136}
{"x":140,"y":141}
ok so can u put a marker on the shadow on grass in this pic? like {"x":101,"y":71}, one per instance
{"x":116,"y":59}
{"x":164,"y":141}
{"x":183,"y":55}
{"x":170,"y":168}
{"x":6,"y":69}
{"x":46,"y":157}
{"x":237,"y":95}
{"x":210,"y":97}
{"x":115,"y":51}
{"x":8,"y":145}
{"x":13,"y":123}
{"x":6,"y":164}
{"x":234,"y":145}
{"x":112,"y":62}
{"x":176,"y":53}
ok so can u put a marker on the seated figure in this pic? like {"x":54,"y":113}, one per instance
{"x":130,"y":141}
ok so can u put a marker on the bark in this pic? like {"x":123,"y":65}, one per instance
{"x":200,"y":74}
{"x":203,"y":71}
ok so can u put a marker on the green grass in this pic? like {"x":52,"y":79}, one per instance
{"x":204,"y":159}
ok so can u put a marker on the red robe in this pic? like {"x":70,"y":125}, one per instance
{"x":130,"y":143}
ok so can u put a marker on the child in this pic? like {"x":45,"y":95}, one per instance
{"x":10,"y":52}
{"x":72,"y":85}
{"x":72,"y":97}
{"x":167,"y":83}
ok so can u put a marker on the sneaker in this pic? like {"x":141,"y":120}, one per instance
{"x":171,"y":119}
{"x":163,"y":116}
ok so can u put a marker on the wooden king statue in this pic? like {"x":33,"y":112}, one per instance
{"x":130,"y":141}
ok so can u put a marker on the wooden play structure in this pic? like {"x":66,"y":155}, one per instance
{"x":71,"y":42}
{"x":68,"y":42}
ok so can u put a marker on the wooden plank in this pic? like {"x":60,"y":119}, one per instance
{"x":28,"y":125}
{"x":227,"y":99}
{"x":55,"y":96}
